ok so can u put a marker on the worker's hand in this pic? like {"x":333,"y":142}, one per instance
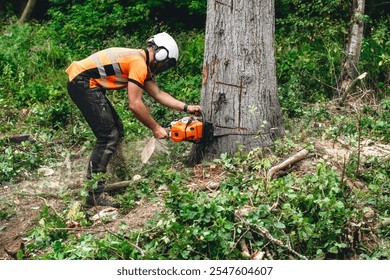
{"x":194,"y":109}
{"x":160,"y":133}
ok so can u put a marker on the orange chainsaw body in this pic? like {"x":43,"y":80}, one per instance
{"x":187,"y":129}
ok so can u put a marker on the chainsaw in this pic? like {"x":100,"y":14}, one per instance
{"x":192,"y":129}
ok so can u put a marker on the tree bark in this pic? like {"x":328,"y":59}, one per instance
{"x":352,"y":50}
{"x":239,"y":92}
{"x":27,"y":11}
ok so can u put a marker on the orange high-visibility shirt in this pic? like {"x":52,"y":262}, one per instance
{"x":112,"y":68}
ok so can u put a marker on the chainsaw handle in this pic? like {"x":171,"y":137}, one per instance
{"x":207,"y":130}
{"x":201,"y":113}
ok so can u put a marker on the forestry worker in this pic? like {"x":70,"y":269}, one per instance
{"x":112,"y":69}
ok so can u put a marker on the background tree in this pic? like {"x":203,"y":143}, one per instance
{"x":349,"y":71}
{"x":27,"y":11}
{"x":239,"y":93}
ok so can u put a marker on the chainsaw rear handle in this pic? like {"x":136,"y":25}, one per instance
{"x":207,"y":130}
{"x":202,"y":115}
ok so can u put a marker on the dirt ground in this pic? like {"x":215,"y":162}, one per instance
{"x":26,"y":199}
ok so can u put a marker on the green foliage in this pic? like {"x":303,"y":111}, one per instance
{"x":201,"y":227}
{"x":310,"y":39}
{"x":316,"y":213}
{"x":49,"y":231}
{"x":18,"y":78}
{"x":375,"y":56}
{"x":313,"y":214}
{"x":7,"y":210}
{"x":376,"y":175}
{"x":193,"y":6}
{"x":18,"y":161}
{"x":80,"y":26}
{"x":321,"y":120}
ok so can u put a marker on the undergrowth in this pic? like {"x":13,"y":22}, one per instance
{"x":316,"y":215}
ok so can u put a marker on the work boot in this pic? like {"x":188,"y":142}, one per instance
{"x":102,"y":199}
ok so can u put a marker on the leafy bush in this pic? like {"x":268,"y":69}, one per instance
{"x":309,"y":44}
{"x":310,"y":39}
{"x":375,"y":57}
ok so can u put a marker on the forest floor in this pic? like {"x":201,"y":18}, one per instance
{"x":27,"y":198}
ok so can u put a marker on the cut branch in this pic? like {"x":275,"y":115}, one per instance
{"x":244,"y":249}
{"x":241,"y":213}
{"x":350,"y":87}
{"x":265,"y":233}
{"x":291,"y":160}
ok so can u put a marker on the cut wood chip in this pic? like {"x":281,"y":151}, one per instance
{"x":153,"y":145}
{"x":109,"y":213}
{"x":148,"y":150}
{"x":45,"y":171}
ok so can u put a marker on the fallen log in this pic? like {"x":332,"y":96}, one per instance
{"x":19,"y":138}
{"x":291,"y":160}
{"x":109,"y":187}
{"x":117,"y":186}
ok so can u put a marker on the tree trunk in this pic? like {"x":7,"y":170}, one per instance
{"x":239,"y":92}
{"x":353,"y":46}
{"x":27,"y":11}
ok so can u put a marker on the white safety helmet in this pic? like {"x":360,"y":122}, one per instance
{"x":166,"y":52}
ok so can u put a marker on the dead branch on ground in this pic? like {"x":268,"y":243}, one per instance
{"x":291,"y":160}
{"x":241,"y":213}
{"x":265,"y":233}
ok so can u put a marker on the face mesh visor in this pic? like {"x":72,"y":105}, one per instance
{"x":159,"y":67}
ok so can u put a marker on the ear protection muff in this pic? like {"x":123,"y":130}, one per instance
{"x":161,"y":54}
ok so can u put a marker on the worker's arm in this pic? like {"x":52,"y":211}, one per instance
{"x":168,"y":100}
{"x":140,"y":111}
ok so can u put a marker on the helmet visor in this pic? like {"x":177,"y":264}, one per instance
{"x":159,"y":67}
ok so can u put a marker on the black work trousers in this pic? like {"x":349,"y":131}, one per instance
{"x":104,"y":122}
